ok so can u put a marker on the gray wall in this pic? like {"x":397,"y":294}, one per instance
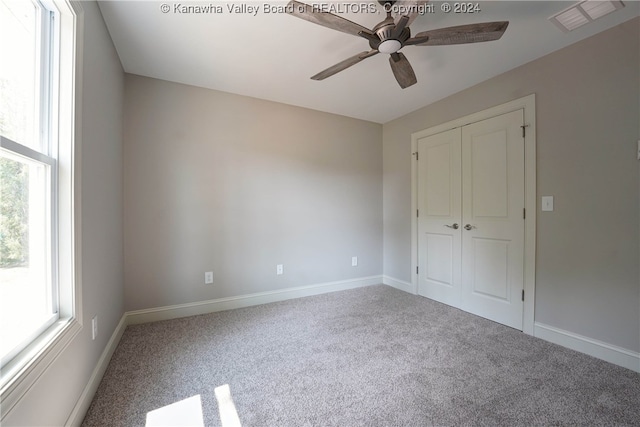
{"x":53,"y":397}
{"x":587,"y":276}
{"x":235,"y":185}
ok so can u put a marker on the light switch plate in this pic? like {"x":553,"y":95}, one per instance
{"x":547,"y":203}
{"x":208,"y":278}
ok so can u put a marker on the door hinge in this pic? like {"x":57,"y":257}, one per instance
{"x":417,"y":270}
{"x":416,"y":154}
{"x":524,"y":132}
{"x":524,"y":213}
{"x":523,"y":295}
{"x":418,"y":213}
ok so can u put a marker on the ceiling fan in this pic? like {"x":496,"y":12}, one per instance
{"x":393,"y":33}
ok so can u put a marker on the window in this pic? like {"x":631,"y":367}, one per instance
{"x":28,"y":285}
{"x":39,"y":293}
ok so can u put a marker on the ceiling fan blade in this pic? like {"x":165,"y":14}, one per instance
{"x":472,"y":33}
{"x":326,"y":19}
{"x":343,"y":65}
{"x":402,"y":70}
{"x":409,"y":8}
{"x":400,"y":26}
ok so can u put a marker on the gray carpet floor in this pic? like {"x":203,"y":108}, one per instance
{"x":373,"y":356}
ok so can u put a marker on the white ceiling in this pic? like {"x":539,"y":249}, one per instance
{"x":272,"y":55}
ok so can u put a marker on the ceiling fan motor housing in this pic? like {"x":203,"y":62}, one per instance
{"x":390,"y":42}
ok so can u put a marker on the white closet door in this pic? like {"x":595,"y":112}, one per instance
{"x":470,"y":222}
{"x":439,"y":208}
{"x":492,"y":218}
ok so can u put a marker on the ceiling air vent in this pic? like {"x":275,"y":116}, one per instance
{"x":583,"y":13}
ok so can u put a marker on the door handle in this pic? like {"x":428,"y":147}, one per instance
{"x":469,"y":227}
{"x":455,"y":226}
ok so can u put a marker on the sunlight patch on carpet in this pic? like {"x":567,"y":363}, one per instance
{"x":228,"y":413}
{"x":187,"y":412}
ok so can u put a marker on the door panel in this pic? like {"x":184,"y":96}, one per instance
{"x":489,"y":175}
{"x":439,"y":205}
{"x":438,"y":180}
{"x":490,"y":269}
{"x":439,"y":259}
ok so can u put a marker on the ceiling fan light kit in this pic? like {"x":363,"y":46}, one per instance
{"x":389,"y":46}
{"x":393,"y":33}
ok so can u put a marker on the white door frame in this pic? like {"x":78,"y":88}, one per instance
{"x":528,"y":105}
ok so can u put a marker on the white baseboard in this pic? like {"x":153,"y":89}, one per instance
{"x":211,"y":306}
{"x":399,"y":284}
{"x":601,"y":350}
{"x":82,"y":405}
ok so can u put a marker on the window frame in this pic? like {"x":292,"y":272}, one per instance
{"x":64,"y":124}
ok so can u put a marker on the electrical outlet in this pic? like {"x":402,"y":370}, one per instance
{"x":94,"y":327}
{"x":354,"y":261}
{"x":279,"y":269}
{"x":208,"y":277}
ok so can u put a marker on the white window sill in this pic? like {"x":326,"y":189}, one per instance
{"x":22,"y":372}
